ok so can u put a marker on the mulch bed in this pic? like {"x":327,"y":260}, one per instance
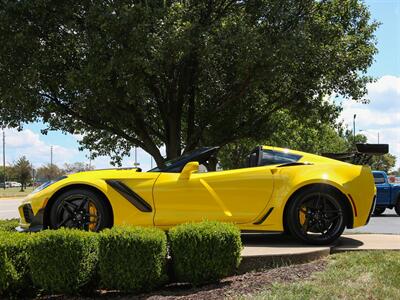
{"x":245,"y":284}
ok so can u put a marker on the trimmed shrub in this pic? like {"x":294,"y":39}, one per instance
{"x":204,"y":252}
{"x":7,"y":272}
{"x":14,"y":252}
{"x":132,"y":258}
{"x":8,"y":225}
{"x":64,"y":260}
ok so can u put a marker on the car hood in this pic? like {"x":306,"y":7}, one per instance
{"x":106,"y":173}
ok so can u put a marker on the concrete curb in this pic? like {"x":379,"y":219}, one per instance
{"x":281,"y":250}
{"x":260,"y":262}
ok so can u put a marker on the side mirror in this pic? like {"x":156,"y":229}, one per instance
{"x":189,"y":168}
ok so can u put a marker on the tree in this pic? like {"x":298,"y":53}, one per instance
{"x":383,"y":163}
{"x":177,"y":73}
{"x":23,"y":171}
{"x":309,"y":135}
{"x":76,"y":167}
{"x":49,"y":172}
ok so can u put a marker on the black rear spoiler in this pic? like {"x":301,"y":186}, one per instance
{"x":362,"y":156}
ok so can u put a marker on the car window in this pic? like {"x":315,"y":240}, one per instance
{"x":379,"y":178}
{"x":270,"y":157}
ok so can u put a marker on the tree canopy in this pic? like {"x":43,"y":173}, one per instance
{"x":23,"y":171}
{"x":177,"y":73}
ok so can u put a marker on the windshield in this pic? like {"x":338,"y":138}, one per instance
{"x":170,"y":162}
{"x":176,"y":165}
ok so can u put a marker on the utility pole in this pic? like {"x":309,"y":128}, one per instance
{"x":136,"y":162}
{"x":90,"y":159}
{"x":151,"y":162}
{"x":51,"y":157}
{"x":4,"y":158}
{"x":378,"y":137}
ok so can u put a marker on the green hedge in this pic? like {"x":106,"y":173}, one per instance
{"x":15,"y":277}
{"x":8,"y":225}
{"x":64,"y":260}
{"x":132,"y":258}
{"x":204,"y":252}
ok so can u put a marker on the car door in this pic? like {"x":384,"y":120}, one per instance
{"x":383,"y":189}
{"x":236,"y":195}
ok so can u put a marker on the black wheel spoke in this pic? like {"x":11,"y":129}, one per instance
{"x":69,"y":207}
{"x":333,"y":218}
{"x":84,"y":203}
{"x":63,"y":222}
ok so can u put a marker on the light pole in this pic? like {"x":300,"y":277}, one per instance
{"x":136,"y":162}
{"x":4,"y":158}
{"x":354,"y":128}
{"x":51,"y":157}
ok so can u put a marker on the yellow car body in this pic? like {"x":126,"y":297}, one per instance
{"x":254,"y":198}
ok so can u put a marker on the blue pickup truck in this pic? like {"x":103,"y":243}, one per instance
{"x":388,"y":195}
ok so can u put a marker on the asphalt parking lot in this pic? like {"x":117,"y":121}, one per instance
{"x":388,"y":223}
{"x":9,"y":208}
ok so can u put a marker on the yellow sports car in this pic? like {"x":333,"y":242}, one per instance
{"x":312,"y":197}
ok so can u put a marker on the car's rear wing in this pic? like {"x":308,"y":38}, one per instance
{"x":362,"y":156}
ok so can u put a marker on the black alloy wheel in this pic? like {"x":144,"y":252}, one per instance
{"x":316,"y":216}
{"x":80,"y":209}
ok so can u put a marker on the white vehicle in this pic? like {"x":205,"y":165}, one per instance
{"x":13,"y":184}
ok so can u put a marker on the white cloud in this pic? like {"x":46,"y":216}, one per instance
{"x":381,"y":115}
{"x":28,"y":143}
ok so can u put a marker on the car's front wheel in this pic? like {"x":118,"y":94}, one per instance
{"x":316,"y":216}
{"x":81,"y":209}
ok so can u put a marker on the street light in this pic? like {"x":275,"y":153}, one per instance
{"x":136,"y":164}
{"x":354,"y":127}
{"x":4,"y":158}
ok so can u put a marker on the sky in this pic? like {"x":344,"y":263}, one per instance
{"x":380,"y":117}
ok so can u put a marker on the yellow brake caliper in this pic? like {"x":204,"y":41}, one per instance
{"x":93,"y":216}
{"x":302,"y":215}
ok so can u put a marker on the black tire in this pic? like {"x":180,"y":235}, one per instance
{"x":379,"y":210}
{"x":316,"y":216}
{"x":81,"y":209}
{"x":397,"y":207}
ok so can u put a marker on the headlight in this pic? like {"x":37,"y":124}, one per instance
{"x":47,"y":184}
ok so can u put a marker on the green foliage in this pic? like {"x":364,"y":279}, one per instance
{"x":7,"y":272}
{"x":23,"y":171}
{"x":132,"y":258}
{"x":48,"y":172}
{"x":8,"y":225}
{"x":16,"y":280}
{"x":178,"y":73}
{"x":64,"y":260}
{"x":204,"y":252}
{"x":383,"y":162}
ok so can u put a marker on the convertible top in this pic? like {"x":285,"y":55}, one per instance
{"x":200,"y":155}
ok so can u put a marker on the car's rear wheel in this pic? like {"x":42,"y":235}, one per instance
{"x":316,"y":216}
{"x":81,"y":209}
{"x":379,"y":210}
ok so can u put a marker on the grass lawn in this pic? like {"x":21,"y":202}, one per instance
{"x":351,"y":275}
{"x":15,"y":192}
